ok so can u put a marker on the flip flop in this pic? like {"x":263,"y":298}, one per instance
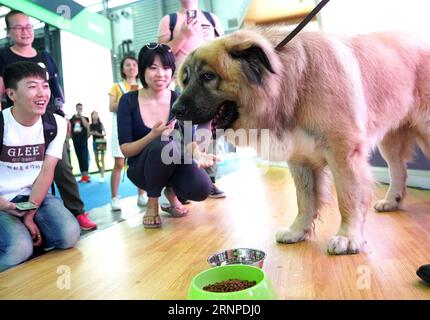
{"x":173,"y":211}
{"x":152,"y":225}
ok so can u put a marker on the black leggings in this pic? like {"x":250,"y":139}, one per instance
{"x":149,"y":172}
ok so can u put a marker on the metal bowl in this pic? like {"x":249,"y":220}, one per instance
{"x":253,"y":257}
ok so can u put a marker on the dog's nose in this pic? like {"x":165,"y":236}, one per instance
{"x":179,"y":111}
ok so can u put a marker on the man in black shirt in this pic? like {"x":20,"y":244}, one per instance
{"x":20,"y":31}
{"x":80,"y":133}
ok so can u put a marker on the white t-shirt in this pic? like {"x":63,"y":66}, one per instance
{"x":23,"y":152}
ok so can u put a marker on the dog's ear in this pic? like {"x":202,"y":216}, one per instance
{"x":253,"y":61}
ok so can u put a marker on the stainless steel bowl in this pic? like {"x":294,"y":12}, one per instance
{"x":248,"y":256}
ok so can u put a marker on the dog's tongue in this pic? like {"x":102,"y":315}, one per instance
{"x":207,"y":126}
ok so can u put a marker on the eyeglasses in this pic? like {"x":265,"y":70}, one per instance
{"x":155,"y":45}
{"x":28,"y":27}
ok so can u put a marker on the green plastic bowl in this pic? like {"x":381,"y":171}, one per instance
{"x":263,"y":290}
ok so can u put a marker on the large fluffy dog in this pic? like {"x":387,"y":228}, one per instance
{"x":327,"y":101}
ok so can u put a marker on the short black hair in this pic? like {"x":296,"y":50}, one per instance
{"x":122,"y":66}
{"x":11,"y":13}
{"x":15,"y":72}
{"x":147,"y":56}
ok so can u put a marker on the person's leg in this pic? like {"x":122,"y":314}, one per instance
{"x":142,"y":198}
{"x":191,"y":182}
{"x":98,"y":156}
{"x":67,"y":145}
{"x":16,"y":245}
{"x":57,"y":225}
{"x":115,"y":178}
{"x":69,"y":192}
{"x":151,"y":219}
{"x":212,"y":172}
{"x":118,"y":165}
{"x":97,"y":160}
{"x":67,"y":186}
{"x":86,"y":161}
{"x":149,"y":172}
{"x":102,"y":163}
{"x":79,"y":154}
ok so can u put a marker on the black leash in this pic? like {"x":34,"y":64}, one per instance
{"x":302,"y":24}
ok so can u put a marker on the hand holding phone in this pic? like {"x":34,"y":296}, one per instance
{"x":25,"y":206}
{"x":191,"y":15}
{"x":170,"y":121}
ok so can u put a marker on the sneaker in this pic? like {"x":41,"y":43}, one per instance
{"x":85,"y":222}
{"x":424,"y":273}
{"x":84,"y":179}
{"x":216,"y":193}
{"x":115,"y":204}
{"x":102,"y":179}
{"x":142,"y":200}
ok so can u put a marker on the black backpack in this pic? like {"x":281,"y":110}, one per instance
{"x":173,"y":17}
{"x":49,"y":128}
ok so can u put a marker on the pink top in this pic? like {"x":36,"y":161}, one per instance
{"x":204,"y":26}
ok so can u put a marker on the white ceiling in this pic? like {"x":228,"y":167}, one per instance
{"x":268,"y":10}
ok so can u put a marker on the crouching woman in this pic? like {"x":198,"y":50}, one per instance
{"x":143,"y":127}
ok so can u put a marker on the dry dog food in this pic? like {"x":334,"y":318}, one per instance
{"x":229,"y":285}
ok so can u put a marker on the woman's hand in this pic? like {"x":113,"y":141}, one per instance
{"x":6,"y":205}
{"x":163,"y":129}
{"x":189,"y":30}
{"x":203,"y":159}
{"x":10,"y":208}
{"x":28,"y":221}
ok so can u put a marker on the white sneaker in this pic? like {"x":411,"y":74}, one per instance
{"x":115,"y":204}
{"x":102,"y":179}
{"x":142,"y":200}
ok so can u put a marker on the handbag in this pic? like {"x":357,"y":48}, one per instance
{"x":101,"y":144}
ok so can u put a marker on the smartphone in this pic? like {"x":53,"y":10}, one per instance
{"x":170,"y":121}
{"x":191,"y":15}
{"x":24,"y":206}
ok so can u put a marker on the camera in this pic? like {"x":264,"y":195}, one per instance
{"x":113,"y":16}
{"x":191,"y":15}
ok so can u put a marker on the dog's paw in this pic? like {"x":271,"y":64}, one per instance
{"x":286,"y":235}
{"x":344,"y":245}
{"x":384,"y":205}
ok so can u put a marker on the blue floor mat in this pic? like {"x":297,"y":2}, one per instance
{"x":96,"y":194}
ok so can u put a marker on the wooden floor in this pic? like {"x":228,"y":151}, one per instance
{"x":126,"y":261}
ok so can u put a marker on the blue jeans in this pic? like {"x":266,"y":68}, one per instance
{"x":59,"y":229}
